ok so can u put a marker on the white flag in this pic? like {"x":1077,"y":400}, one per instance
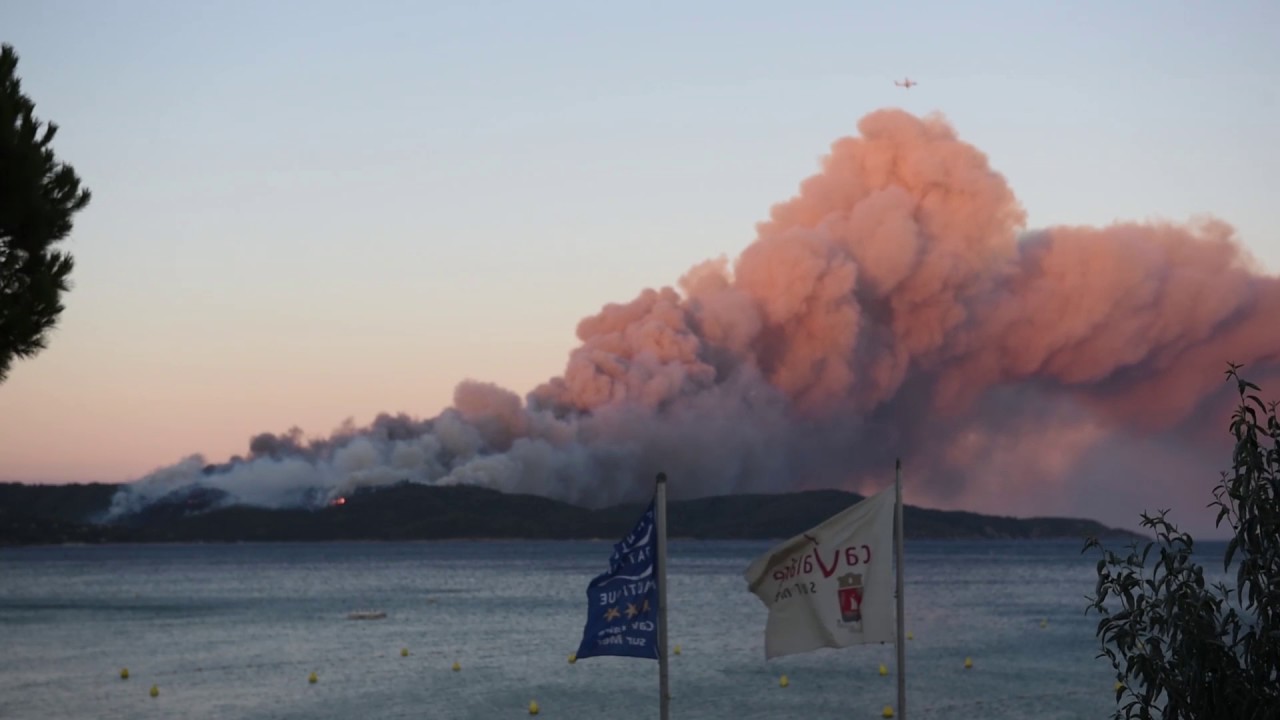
{"x":832,"y":586}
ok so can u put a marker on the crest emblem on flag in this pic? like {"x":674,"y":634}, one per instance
{"x":850,"y":594}
{"x":832,"y":585}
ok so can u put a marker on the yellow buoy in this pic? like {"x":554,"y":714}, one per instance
{"x":312,"y":678}
{"x":968,"y":663}
{"x":533,"y":707}
{"x":883,"y":670}
{"x":456,"y":666}
{"x":887,"y":712}
{"x":573,"y":658}
{"x":124,"y":673}
{"x":783,"y":681}
{"x":1044,"y":623}
{"x":1119,"y":686}
{"x":677,"y":650}
{"x":155,"y":691}
{"x":911,"y":636}
{"x":404,"y":652}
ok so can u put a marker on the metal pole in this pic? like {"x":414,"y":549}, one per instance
{"x":898,"y":556}
{"x":664,"y":688}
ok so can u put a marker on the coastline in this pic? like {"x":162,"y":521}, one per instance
{"x":411,"y":512}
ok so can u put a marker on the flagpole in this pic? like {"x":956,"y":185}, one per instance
{"x":897,"y":544}
{"x":664,"y":689}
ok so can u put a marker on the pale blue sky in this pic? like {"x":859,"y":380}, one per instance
{"x":309,"y":211}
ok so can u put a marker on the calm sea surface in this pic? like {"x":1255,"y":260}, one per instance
{"x":233,"y":631}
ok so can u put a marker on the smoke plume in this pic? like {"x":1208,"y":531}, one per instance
{"x":896,"y":306}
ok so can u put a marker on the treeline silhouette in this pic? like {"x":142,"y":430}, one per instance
{"x":53,"y":514}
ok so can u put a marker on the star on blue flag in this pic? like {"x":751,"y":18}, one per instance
{"x":622,"y":603}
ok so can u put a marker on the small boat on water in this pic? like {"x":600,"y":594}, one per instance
{"x":366,"y":615}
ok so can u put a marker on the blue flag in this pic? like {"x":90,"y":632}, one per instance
{"x":622,"y":604}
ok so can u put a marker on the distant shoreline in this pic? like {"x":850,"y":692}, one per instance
{"x":499,"y":540}
{"x":65,"y":514}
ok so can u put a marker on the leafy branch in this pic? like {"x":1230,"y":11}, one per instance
{"x":1183,"y":648}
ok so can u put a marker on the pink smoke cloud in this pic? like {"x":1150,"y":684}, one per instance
{"x":896,"y":306}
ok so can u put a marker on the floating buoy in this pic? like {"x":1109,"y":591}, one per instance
{"x":883,"y":670}
{"x":573,"y":658}
{"x":404,"y":652}
{"x":1044,"y":623}
{"x":1119,"y":686}
{"x":124,"y":673}
{"x":155,"y":691}
{"x":533,"y":707}
{"x":887,"y":712}
{"x":312,"y":678}
{"x":676,"y":650}
{"x":968,"y":663}
{"x":911,"y":636}
{"x":456,"y":666}
{"x":783,"y":681}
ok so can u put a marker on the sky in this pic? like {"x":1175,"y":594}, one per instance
{"x":308,"y":212}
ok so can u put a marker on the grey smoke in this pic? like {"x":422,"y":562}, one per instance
{"x":896,"y":306}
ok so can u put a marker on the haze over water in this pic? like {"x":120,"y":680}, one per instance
{"x":232,"y":631}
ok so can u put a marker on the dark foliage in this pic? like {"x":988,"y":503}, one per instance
{"x":38,"y":197}
{"x":421,"y":512}
{"x":1183,"y":648}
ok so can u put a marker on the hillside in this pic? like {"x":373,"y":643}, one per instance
{"x":37,"y":514}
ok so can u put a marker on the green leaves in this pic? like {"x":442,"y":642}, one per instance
{"x":38,"y":198}
{"x":1186,"y":649}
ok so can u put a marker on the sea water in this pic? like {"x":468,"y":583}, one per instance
{"x":234,"y":631}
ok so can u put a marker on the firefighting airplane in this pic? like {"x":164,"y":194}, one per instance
{"x":906,"y":83}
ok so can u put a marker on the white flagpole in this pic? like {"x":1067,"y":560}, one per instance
{"x":664,"y":689}
{"x":897,"y":543}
